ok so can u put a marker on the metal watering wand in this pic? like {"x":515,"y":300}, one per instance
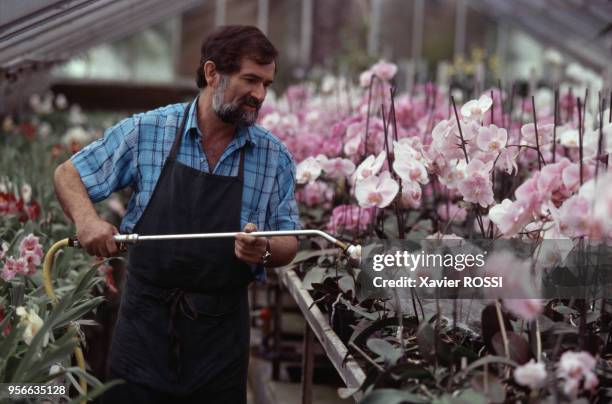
{"x":352,"y":251}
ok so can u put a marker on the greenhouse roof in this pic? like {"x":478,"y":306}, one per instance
{"x":39,"y":33}
{"x":579,"y":28}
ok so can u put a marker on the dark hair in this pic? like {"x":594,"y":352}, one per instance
{"x":229,"y":44}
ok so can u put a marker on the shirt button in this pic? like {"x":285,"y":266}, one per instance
{"x":201,"y":159}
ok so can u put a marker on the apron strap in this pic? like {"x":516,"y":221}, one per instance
{"x":179,"y":135}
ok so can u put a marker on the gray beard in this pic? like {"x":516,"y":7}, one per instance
{"x":231,"y":112}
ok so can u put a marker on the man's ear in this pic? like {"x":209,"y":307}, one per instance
{"x":210,"y":73}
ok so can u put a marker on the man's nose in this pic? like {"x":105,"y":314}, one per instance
{"x":259,"y":92}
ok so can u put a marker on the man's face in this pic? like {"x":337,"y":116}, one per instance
{"x":238,"y":97}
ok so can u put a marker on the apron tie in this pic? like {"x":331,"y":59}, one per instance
{"x":177,"y":301}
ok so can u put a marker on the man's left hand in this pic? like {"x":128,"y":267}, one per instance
{"x":248,"y":248}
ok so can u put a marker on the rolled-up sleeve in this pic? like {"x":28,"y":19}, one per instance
{"x":283,"y":212}
{"x":108,"y":164}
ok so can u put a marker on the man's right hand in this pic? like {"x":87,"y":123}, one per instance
{"x":94,"y":234}
{"x":96,"y":237}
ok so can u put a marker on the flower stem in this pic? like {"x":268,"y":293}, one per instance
{"x":367,"y":128}
{"x":493,"y":109}
{"x":537,"y":138}
{"x":467,"y":160}
{"x":555,"y":123}
{"x":600,"y":105}
{"x":538,"y":341}
{"x":502,"y":328}
{"x":390,"y":160}
{"x":580,"y":132}
{"x":610,"y":108}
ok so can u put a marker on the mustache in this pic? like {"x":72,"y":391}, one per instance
{"x":250,"y":101}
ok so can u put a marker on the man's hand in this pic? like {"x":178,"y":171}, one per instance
{"x":94,"y":234}
{"x":96,"y":237}
{"x":248,"y":248}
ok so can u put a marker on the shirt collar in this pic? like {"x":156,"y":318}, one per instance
{"x":243,"y":135}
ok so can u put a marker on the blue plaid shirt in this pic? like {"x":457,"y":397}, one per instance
{"x":132,"y":153}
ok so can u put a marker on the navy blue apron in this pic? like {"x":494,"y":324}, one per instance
{"x":183,"y":327}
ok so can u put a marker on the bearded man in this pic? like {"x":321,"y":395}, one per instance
{"x":182,"y":334}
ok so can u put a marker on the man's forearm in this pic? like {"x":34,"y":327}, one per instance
{"x":72,"y":194}
{"x":283,"y":249}
{"x":94,"y":234}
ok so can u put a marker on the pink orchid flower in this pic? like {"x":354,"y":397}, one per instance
{"x":445,"y":139}
{"x":569,"y":138}
{"x":411,"y":170}
{"x":21,"y":266}
{"x":411,"y":194}
{"x":13,"y":267}
{"x":316,"y":194}
{"x":365,"y":78}
{"x":507,"y":161}
{"x":354,"y":138}
{"x":477,"y":189}
{"x":475,"y":109}
{"x":270,"y":121}
{"x":410,"y":148}
{"x":491,"y":138}
{"x":9,"y":269}
{"x":30,"y":246}
{"x":338,"y":167}
{"x":470,"y":131}
{"x":384,"y":70}
{"x":453,"y":173}
{"x":545,"y":132}
{"x":574,"y":368}
{"x":529,"y":194}
{"x":550,"y":179}
{"x":351,"y":217}
{"x":571,"y":175}
{"x":477,"y":186}
{"x":510,"y":217}
{"x":532,"y":374}
{"x":31,"y":262}
{"x":574,"y":216}
{"x":376,"y":191}
{"x":308,"y":170}
{"x":477,"y":167}
{"x":369,"y":167}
